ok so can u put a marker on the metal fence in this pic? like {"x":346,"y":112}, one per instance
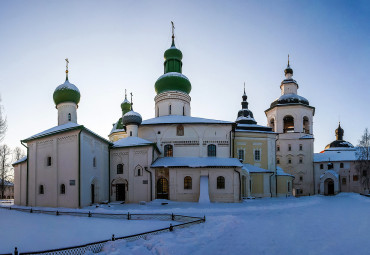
{"x":96,"y":247}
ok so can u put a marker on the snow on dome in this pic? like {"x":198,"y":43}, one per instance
{"x":132,"y":117}
{"x":173,"y":74}
{"x":66,"y":92}
{"x":290,"y":99}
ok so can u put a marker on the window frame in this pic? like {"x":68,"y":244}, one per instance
{"x":119,"y":168}
{"x":188,"y":183}
{"x":212,"y":150}
{"x":168,"y":150}
{"x":220,"y":182}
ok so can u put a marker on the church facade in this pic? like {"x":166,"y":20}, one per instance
{"x":172,"y":156}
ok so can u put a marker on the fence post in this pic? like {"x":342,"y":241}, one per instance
{"x":57,"y":213}
{"x":204,"y":218}
{"x":15,"y":251}
{"x":128,"y":216}
{"x":31,"y":211}
{"x":10,"y":207}
{"x":89,"y":214}
{"x":171,"y":227}
{"x":172,"y":217}
{"x":113,"y":238}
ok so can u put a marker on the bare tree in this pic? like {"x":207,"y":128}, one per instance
{"x":5,"y":167}
{"x":363,"y":160}
{"x":3,"y":123}
{"x":18,"y":153}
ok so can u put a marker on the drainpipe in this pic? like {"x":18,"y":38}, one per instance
{"x":270,"y":184}
{"x":240,"y":186}
{"x":79,"y":169}
{"x":151,"y":190}
{"x":109,"y":185}
{"x":26,"y":174}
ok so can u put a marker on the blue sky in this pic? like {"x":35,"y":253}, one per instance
{"x":118,"y":45}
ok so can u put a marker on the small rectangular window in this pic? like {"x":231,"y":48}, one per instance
{"x":241,"y":154}
{"x":72,"y":182}
{"x":300,"y":147}
{"x":289,"y":161}
{"x":355,"y":178}
{"x":289,"y":147}
{"x":257,"y":155}
{"x":49,"y":161}
{"x":301,"y":178}
{"x":278,"y":148}
{"x":300,"y":160}
{"x":277,"y":161}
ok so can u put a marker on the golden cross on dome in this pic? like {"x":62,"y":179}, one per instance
{"x":173,"y":29}
{"x":288,"y":59}
{"x":67,"y":62}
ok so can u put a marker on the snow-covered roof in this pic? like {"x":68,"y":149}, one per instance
{"x":20,"y":160}
{"x":196,"y":162}
{"x":173,"y":74}
{"x":335,"y":174}
{"x":131,"y":141}
{"x":339,"y":154}
{"x":255,"y":169}
{"x":306,"y":137}
{"x":7,"y":183}
{"x":253,"y":128}
{"x":62,"y":128}
{"x":180,"y":119}
{"x":54,"y":130}
{"x":280,"y":172}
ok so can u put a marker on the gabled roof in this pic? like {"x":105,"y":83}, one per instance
{"x":255,"y":169}
{"x":20,"y":161}
{"x":180,"y":119}
{"x":131,"y":141}
{"x":64,"y":128}
{"x":196,"y":162}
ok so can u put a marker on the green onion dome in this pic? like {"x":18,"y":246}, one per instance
{"x":173,"y":52}
{"x":66,"y":92}
{"x":173,"y":79}
{"x":131,"y":118}
{"x":125,"y":106}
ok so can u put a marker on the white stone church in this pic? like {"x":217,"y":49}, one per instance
{"x":172,"y":156}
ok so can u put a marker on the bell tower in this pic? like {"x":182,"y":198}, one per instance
{"x":291,"y":116}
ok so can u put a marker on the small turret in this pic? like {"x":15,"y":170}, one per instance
{"x":132,"y":121}
{"x":245,"y":116}
{"x":66,"y":98}
{"x":339,"y":132}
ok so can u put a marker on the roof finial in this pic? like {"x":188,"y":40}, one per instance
{"x":173,"y":34}
{"x":131,"y":102}
{"x":125,"y":94}
{"x":288,"y":60}
{"x":67,"y":62}
{"x":244,"y":88}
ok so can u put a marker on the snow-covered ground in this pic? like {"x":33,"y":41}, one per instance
{"x":37,"y":232}
{"x":307,"y":225}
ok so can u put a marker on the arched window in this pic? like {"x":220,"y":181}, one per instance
{"x":306,"y":126}
{"x":272,"y":125}
{"x":62,"y":189}
{"x":130,"y":133}
{"x":344,"y":181}
{"x":183,"y":110}
{"x":341,"y":165}
{"x":278,"y":161}
{"x":211,"y":148}
{"x":94,"y":162}
{"x":41,"y":189}
{"x":69,"y":117}
{"x":288,"y":124}
{"x":120,"y":169}
{"x":180,"y":130}
{"x":139,"y":171}
{"x":157,"y":111}
{"x":188,"y":182}
{"x":48,"y":163}
{"x":300,"y":160}
{"x":220,"y":182}
{"x":170,"y":109}
{"x":168,"y":150}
